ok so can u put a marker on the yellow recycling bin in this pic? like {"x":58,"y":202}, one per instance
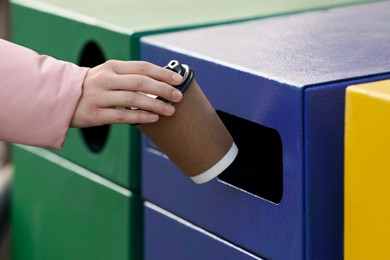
{"x":367,"y":171}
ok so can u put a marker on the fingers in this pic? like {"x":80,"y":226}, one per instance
{"x":141,"y":101}
{"x":126,"y":84}
{"x":144,"y":84}
{"x":125,"y":116}
{"x":146,"y":68}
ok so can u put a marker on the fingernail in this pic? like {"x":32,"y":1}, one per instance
{"x":176,"y":94}
{"x":169,"y":109}
{"x":152,"y":117}
{"x":177,"y":77}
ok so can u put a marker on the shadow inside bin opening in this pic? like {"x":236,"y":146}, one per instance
{"x":258,"y":167}
{"x":94,"y":137}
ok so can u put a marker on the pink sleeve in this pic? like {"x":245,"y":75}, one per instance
{"x":38,"y":96}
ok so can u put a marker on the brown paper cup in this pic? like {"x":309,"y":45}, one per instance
{"x":194,"y":138}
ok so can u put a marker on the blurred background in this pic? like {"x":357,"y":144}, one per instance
{"x":5,"y":166}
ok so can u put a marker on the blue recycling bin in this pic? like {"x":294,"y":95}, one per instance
{"x":279,"y":86}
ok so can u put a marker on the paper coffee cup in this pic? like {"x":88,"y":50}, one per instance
{"x":194,"y":138}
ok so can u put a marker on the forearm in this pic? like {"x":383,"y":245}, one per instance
{"x":39,"y":96}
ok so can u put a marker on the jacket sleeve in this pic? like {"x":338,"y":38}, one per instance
{"x":38,"y":96}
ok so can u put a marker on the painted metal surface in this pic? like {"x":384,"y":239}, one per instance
{"x":62,"y":211}
{"x":170,"y":237}
{"x":134,"y":16}
{"x":286,"y":73}
{"x":367,"y":200}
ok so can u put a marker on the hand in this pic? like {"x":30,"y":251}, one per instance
{"x":125,"y":84}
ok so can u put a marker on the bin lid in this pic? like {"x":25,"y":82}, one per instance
{"x":299,"y":49}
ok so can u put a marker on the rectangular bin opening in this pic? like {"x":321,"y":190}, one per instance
{"x":258,"y":168}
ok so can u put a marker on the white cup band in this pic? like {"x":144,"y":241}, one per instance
{"x":218,"y":168}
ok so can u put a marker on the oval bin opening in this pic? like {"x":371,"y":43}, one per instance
{"x":258,"y":167}
{"x":94,"y":137}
